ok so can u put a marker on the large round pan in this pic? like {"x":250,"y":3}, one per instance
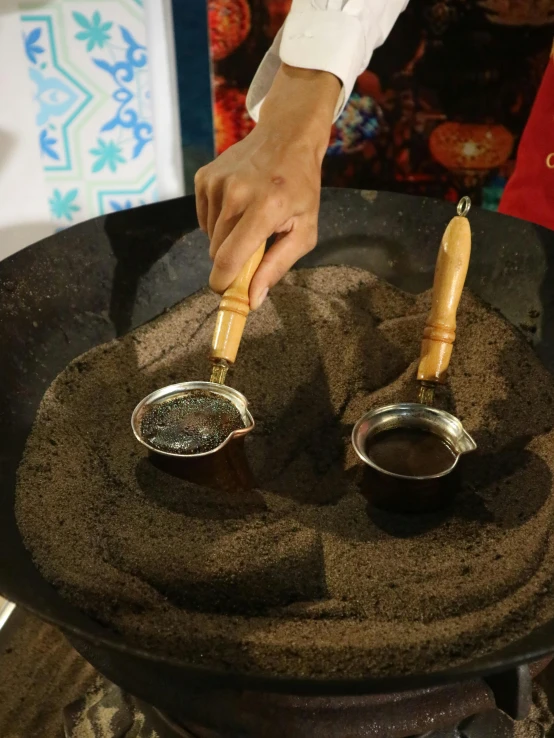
{"x":99,"y":279}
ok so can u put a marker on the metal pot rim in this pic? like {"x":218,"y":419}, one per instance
{"x":415,"y":415}
{"x":164,"y":393}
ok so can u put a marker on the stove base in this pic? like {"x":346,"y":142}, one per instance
{"x":107,"y":712}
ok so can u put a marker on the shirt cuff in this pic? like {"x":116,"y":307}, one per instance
{"x":329,"y":41}
{"x":263,"y":79}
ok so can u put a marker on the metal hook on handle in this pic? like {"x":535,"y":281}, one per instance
{"x":463,"y":206}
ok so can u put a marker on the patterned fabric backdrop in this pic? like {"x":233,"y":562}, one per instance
{"x":438,"y":112}
{"x":88,"y":64}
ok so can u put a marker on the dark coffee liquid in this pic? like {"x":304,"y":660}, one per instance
{"x":195,"y":422}
{"x":412,"y":452}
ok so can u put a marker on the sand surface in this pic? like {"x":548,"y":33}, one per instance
{"x":300,"y":576}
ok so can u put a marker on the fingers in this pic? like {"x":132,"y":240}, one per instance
{"x":215,"y":198}
{"x":209,"y":197}
{"x":258,"y":187}
{"x":280,"y":258}
{"x":235,"y":197}
{"x":201,"y":200}
{"x":250,"y":231}
{"x":222,"y":231}
{"x":220,"y":202}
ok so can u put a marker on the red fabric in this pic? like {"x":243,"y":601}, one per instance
{"x":529,"y":193}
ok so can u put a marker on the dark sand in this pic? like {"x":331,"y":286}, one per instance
{"x":300,"y":576}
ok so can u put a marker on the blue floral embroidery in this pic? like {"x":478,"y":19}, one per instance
{"x":123,"y":73}
{"x":58,"y":95}
{"x":31,"y":46}
{"x":114,"y":199}
{"x":46,"y":144}
{"x":116,"y":206}
{"x":108,"y":155}
{"x":119,"y":167}
{"x":54,"y":96}
{"x":127,"y":205}
{"x":62,"y":206}
{"x":95,"y":33}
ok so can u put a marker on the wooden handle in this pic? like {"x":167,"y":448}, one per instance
{"x":233,"y":311}
{"x":450,"y":275}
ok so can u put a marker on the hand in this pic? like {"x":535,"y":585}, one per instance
{"x":269,"y":183}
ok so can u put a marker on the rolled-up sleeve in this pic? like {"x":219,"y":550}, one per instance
{"x":337,"y":36}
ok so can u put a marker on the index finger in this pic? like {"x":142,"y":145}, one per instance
{"x":253,"y":228}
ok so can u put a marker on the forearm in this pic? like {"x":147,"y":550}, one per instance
{"x":300,"y":105}
{"x":334,"y":36}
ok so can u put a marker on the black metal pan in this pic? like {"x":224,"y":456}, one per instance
{"x":102,"y":278}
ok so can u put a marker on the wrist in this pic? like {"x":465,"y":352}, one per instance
{"x":301,"y":105}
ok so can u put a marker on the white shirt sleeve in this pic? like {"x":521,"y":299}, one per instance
{"x":337,"y":36}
